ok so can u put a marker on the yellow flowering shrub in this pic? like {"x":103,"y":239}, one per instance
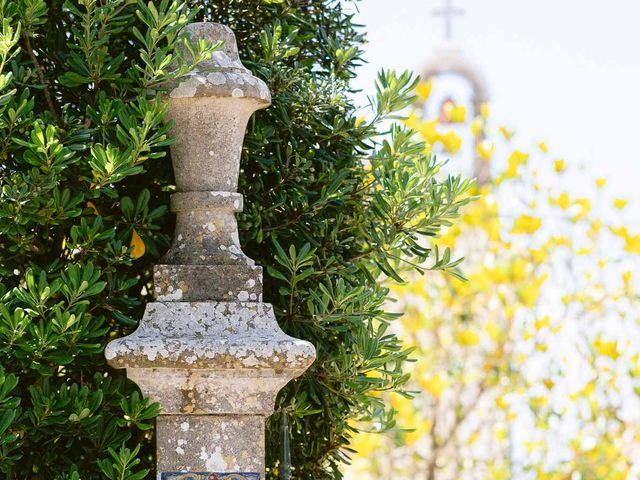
{"x":530,"y":369}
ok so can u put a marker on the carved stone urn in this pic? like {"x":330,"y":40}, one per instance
{"x":208,"y":349}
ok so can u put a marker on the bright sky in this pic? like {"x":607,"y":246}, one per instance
{"x":563,"y":71}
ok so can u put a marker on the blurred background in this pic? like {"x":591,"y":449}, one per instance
{"x":567,"y":71}
{"x":529,"y":369}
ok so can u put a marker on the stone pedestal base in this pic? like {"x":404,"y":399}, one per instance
{"x":215,"y":368}
{"x":227,"y":446}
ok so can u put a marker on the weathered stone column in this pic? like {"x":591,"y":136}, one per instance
{"x":208,"y":350}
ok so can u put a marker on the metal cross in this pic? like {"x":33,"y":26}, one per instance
{"x":448,"y":12}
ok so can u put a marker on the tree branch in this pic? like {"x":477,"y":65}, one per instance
{"x":40,"y":72}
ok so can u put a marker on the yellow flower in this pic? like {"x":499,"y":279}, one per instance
{"x":499,"y":473}
{"x":476,"y":126}
{"x":526,"y":224}
{"x":585,"y":208}
{"x":530,"y":293}
{"x":429,"y":131}
{"x":366,"y":443}
{"x":626,"y":278}
{"x":493,"y":330}
{"x":451,"y":141}
{"x":601,"y":182}
{"x":498,"y":275}
{"x":542,"y":322}
{"x":584,"y":251}
{"x":423,"y":90}
{"x":418,"y":432}
{"x":518,"y":269}
{"x":467,"y":337}
{"x":538,"y":255}
{"x":620,"y":203}
{"x":449,"y":237}
{"x":138,"y":247}
{"x":360,"y":120}
{"x":559,"y":165}
{"x":538,"y":402}
{"x":399,"y":402}
{"x":484,"y":110}
{"x":515,"y":160}
{"x":532,"y":447}
{"x":588,"y":390}
{"x":480,"y":281}
{"x":507,"y":134}
{"x":560,"y":241}
{"x":543,"y":147}
{"x":434,"y":384}
{"x":621,"y":232}
{"x":632,"y":244}
{"x":485,"y":150}
{"x":563,"y":201}
{"x":548,"y":383}
{"x":501,"y":434}
{"x":607,"y":348}
{"x":458,"y":114}
{"x":412,"y":121}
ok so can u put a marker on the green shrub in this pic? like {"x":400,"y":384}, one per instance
{"x":77,"y":123}
{"x":333,"y":206}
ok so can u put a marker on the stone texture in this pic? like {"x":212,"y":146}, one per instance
{"x":206,"y":234}
{"x":210,"y":357}
{"x":206,"y":443}
{"x":190,"y":283}
{"x":211,"y":108}
{"x":199,"y":122}
{"x":208,"y":350}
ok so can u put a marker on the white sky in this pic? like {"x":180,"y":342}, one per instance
{"x":563,"y":71}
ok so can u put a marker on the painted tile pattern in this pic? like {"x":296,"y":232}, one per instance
{"x":209,"y":476}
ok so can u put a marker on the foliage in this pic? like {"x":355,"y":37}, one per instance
{"x":531,"y":368}
{"x":333,"y":204}
{"x":77,"y":123}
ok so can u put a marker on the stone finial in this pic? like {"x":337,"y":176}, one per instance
{"x":210,"y":109}
{"x":226,"y":57}
{"x":208,"y":349}
{"x":212,"y":106}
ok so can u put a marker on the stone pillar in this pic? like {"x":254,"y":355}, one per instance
{"x":208,"y":349}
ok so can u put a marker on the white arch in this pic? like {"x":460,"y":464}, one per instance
{"x":450,"y":60}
